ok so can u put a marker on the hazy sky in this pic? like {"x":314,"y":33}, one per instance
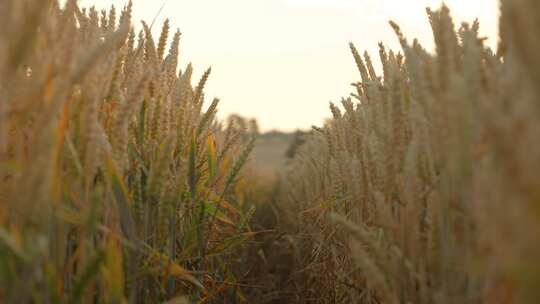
{"x":282,"y":61}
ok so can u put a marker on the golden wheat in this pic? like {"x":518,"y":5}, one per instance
{"x":404,"y":201}
{"x":115,"y":185}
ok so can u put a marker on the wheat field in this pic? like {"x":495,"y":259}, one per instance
{"x":119,"y":184}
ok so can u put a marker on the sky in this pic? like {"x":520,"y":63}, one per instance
{"x":283,"y":61}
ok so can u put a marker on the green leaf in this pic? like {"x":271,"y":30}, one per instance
{"x":231,"y":243}
{"x":192,"y":174}
{"x":212,"y":156}
{"x":7,"y":239}
{"x":122,"y":199}
{"x":91,"y":270}
{"x":210,"y":209}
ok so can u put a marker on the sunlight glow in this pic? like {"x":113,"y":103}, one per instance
{"x":274,"y":59}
